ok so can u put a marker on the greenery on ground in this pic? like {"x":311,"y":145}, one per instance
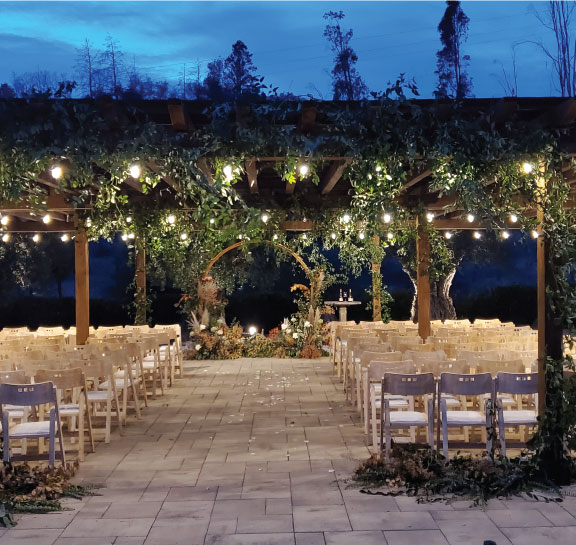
{"x":423,"y":473}
{"x":35,"y":489}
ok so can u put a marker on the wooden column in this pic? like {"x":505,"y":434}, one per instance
{"x":423,"y":279}
{"x":140,"y":276}
{"x":82,"y":294}
{"x":376,"y":286}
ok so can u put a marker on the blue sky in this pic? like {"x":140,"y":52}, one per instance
{"x":284,"y":37}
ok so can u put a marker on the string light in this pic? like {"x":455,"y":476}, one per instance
{"x":333,"y":236}
{"x":252,"y":330}
{"x":65,"y":237}
{"x":56,"y":172}
{"x":304,"y":236}
{"x":228,"y":173}
{"x":131,"y":236}
{"x":135,"y":171}
{"x":47,"y":218}
{"x":4,"y":220}
{"x":513,"y":218}
{"x":124,"y":237}
{"x":240,"y":237}
{"x":265,"y":218}
{"x":183,"y":236}
{"x":362,"y":236}
{"x":88,"y":222}
{"x":346,"y":218}
{"x":36,"y":238}
{"x":378,"y":168}
{"x":387,"y":217}
{"x":5,"y":237}
{"x":212,"y":221}
{"x":171,"y":219}
{"x":505,"y":235}
{"x":535,"y":234}
{"x":477,"y":235}
{"x":430,"y":216}
{"x":527,"y":168}
{"x":389,"y":236}
{"x":275,"y":237}
{"x":128,"y":219}
{"x":304,"y":169}
{"x":448,"y":235}
{"x":470,"y":218}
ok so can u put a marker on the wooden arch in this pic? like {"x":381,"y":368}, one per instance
{"x":276,"y":244}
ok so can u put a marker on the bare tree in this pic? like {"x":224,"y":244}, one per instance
{"x":509,"y":79}
{"x":113,"y":66}
{"x":86,"y":67}
{"x":31,"y":83}
{"x":558,"y":19}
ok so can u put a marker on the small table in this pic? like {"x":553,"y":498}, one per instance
{"x":342,"y":308}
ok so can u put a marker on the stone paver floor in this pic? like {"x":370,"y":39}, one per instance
{"x":256,"y":452}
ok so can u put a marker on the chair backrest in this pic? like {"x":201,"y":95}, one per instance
{"x":377,"y":369}
{"x":374,"y":347}
{"x":463,"y":384}
{"x":495,"y":366}
{"x":63,"y":379}
{"x":27,"y":394}
{"x":408,"y":384}
{"x":13,"y":377}
{"x":367,"y":357}
{"x":417,"y":356}
{"x":517,"y":383}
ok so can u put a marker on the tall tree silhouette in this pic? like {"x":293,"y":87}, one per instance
{"x":113,"y":65}
{"x":86,"y":67}
{"x":214,"y":86}
{"x":453,"y":81}
{"x":346,"y":81}
{"x":239,"y":71}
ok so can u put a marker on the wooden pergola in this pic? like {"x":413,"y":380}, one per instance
{"x":262,"y":186}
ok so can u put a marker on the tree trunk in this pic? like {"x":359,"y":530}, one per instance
{"x":441,"y":304}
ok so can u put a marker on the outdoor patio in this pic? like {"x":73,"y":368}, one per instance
{"x":255,"y":452}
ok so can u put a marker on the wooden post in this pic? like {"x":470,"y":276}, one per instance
{"x":82,"y":274}
{"x":140,"y":277}
{"x":423,"y":279}
{"x":376,"y":286}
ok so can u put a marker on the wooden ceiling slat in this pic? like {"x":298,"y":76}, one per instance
{"x":332,"y":176}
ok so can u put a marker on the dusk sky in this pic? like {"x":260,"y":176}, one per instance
{"x":284,"y":37}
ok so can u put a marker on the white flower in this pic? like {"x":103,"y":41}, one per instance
{"x":295,"y":335}
{"x":307,"y":323}
{"x":283,"y":326}
{"x":220,"y":320}
{"x":220,"y":332}
{"x":198,"y":347}
{"x":213,"y":329}
{"x":288,"y":330}
{"x":293,"y":319}
{"x":202,"y":327}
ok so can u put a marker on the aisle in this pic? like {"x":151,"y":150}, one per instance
{"x":248,"y":452}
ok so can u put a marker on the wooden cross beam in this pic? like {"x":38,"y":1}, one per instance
{"x":252,"y":174}
{"x":333,"y":175}
{"x":414,"y":178}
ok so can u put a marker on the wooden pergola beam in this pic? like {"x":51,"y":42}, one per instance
{"x":134,"y":184}
{"x":332,"y":176}
{"x":203,"y":167}
{"x":415,"y":178}
{"x":423,"y":279}
{"x":290,"y":188}
{"x":252,"y":175}
{"x":82,"y":284}
{"x":157,"y":169}
{"x":178,"y":116}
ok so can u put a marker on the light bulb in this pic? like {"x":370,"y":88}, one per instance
{"x":240,"y":237}
{"x":362,"y":235}
{"x":131,"y":236}
{"x":505,"y":235}
{"x":228,"y":172}
{"x":275,"y":237}
{"x":265,"y":218}
{"x":477,"y":235}
{"x":389,"y":236}
{"x":5,"y":237}
{"x":333,"y":236}
{"x":212,"y":221}
{"x":429,"y":216}
{"x":527,"y":168}
{"x":124,"y":237}
{"x":252,"y":330}
{"x":387,"y":218}
{"x":128,"y":219}
{"x":183,"y":236}
{"x":513,"y":218}
{"x":304,"y":170}
{"x":346,"y":218}
{"x":47,"y":218}
{"x":535,"y":234}
{"x":36,"y":238}
{"x":56,"y":172}
{"x":65,"y":237}
{"x":304,"y":236}
{"x":88,"y":222}
{"x":135,"y":171}
{"x":5,"y":220}
{"x":171,"y":219}
{"x":470,"y":218}
{"x":448,"y":235}
{"x":378,"y":168}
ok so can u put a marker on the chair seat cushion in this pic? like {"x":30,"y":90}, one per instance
{"x":451,"y":401}
{"x":120,"y":383}
{"x":69,"y":409}
{"x":94,"y":395}
{"x":465,"y":418}
{"x":408,"y":418}
{"x":396,"y":402}
{"x":519,"y":417}
{"x":29,"y":429}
